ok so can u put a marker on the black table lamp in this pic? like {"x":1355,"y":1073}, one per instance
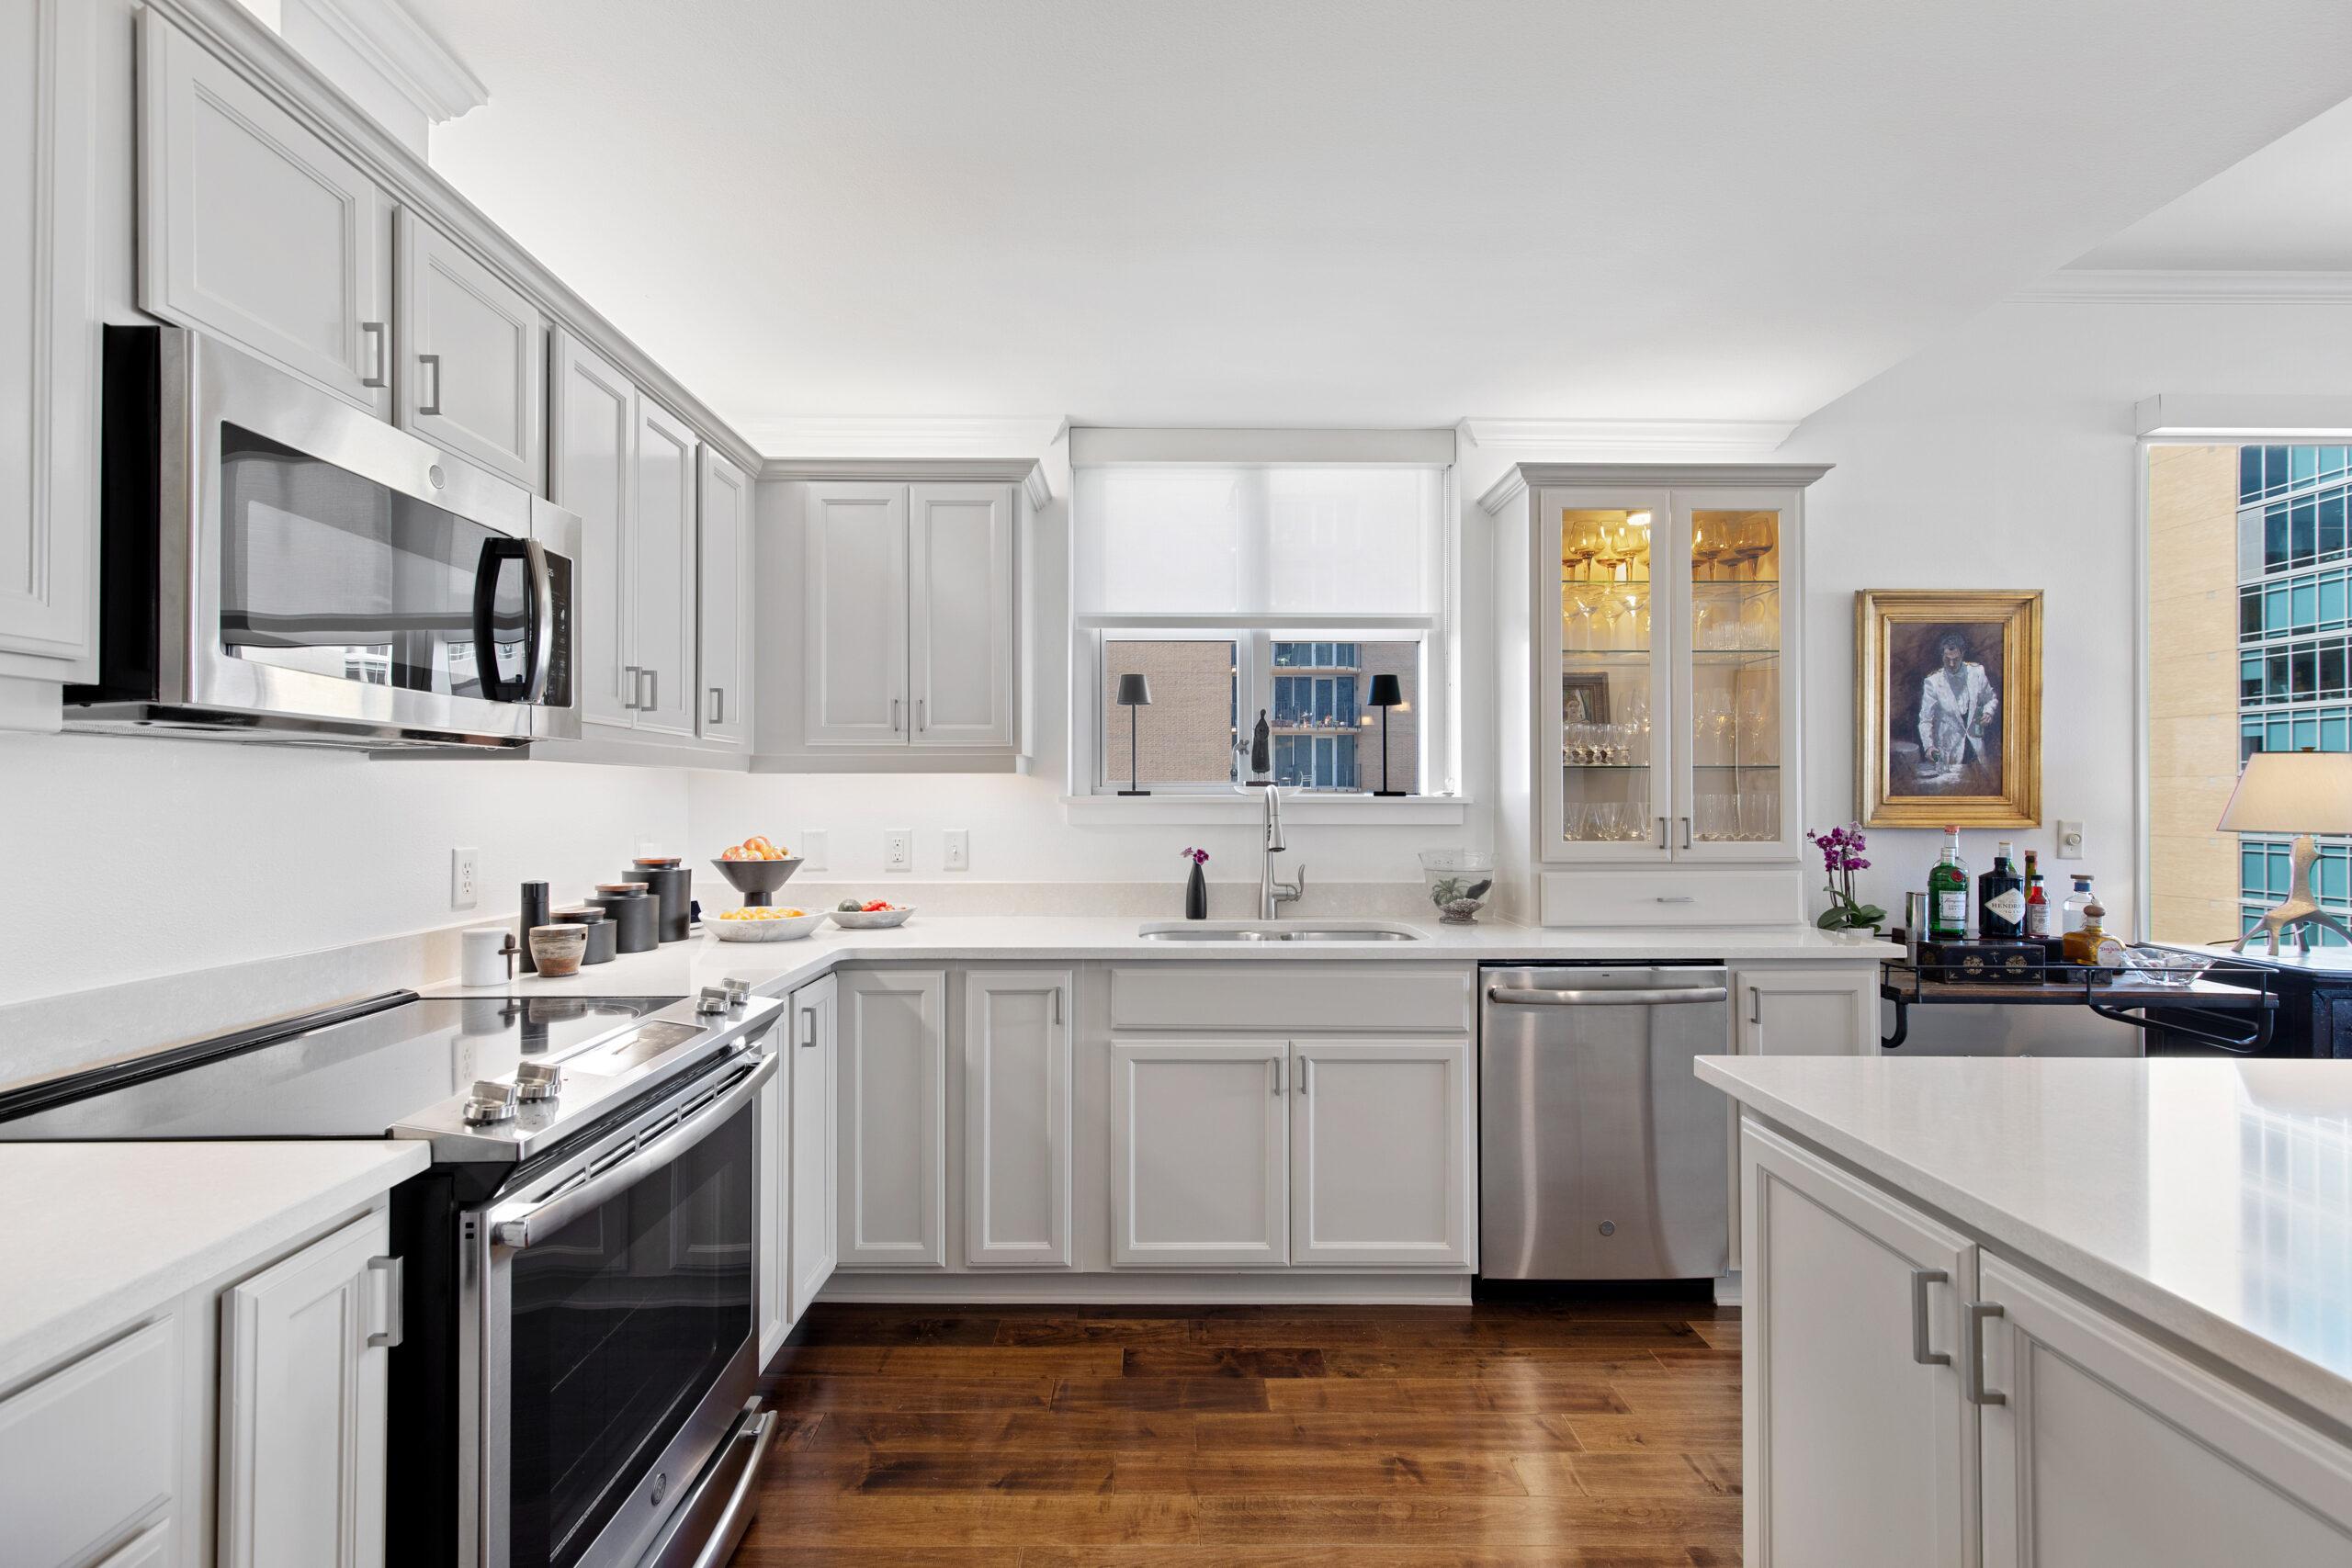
{"x":1134,"y":691}
{"x":1388,"y":693}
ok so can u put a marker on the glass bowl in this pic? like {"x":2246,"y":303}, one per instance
{"x":1459,"y":882}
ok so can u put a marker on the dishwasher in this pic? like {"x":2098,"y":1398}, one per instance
{"x":1601,"y":1156}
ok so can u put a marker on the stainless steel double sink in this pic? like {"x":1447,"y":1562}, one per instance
{"x":1274,"y":931}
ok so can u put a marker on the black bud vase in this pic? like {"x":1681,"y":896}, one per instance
{"x":1196,"y":894}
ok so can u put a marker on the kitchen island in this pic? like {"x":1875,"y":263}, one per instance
{"x":2045,"y":1309}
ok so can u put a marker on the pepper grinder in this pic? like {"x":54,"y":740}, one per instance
{"x":535,"y":910}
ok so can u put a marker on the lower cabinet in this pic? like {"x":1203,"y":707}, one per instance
{"x":1017,"y":1119}
{"x":86,"y":1458}
{"x":1200,"y":1152}
{"x":772,"y":1132}
{"x":894,"y":1120}
{"x":1382,"y":1141}
{"x":813,"y":1071}
{"x":1821,"y":1011}
{"x":1911,"y":1398}
{"x":303,"y":1354}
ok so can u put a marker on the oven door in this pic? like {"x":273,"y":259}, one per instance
{"x":344,"y":573}
{"x":607,"y":1338}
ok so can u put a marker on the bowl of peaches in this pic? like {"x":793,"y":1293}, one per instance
{"x":765,"y":923}
{"x":756,"y":868}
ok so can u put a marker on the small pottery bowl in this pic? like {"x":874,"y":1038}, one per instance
{"x":558,"y":950}
{"x":870,"y":919}
{"x":784,"y":928}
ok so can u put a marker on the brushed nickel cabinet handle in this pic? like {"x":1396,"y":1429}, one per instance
{"x":652,"y":689}
{"x":1920,"y":1279}
{"x":636,"y":684}
{"x":395,"y":1327}
{"x":1977,"y":1393}
{"x":1277,"y":1077}
{"x":719,"y":704}
{"x":373,"y":333}
{"x":431,"y":362}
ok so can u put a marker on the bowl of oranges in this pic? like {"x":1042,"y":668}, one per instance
{"x":765,"y":924}
{"x":756,"y":868}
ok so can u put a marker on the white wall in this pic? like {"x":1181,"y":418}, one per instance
{"x":2004,"y":456}
{"x":129,"y":858}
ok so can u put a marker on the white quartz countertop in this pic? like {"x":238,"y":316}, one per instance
{"x":777,"y":966}
{"x":2210,"y":1199}
{"x":92,"y":1235}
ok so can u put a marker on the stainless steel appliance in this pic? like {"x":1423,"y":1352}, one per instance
{"x":1601,"y":1156}
{"x":576,"y":1387}
{"x":278,"y":565}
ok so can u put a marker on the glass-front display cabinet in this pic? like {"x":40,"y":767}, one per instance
{"x":1666,"y":636}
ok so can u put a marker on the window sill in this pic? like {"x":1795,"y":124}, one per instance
{"x":1206,"y":810}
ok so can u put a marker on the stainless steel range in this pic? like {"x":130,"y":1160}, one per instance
{"x":575,"y":1383}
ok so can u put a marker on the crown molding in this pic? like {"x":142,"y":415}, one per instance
{"x":819,"y":437}
{"x":420,"y":67}
{"x":1627,"y":437}
{"x":1026,"y":472}
{"x":1520,"y":478}
{"x":2155,"y":286}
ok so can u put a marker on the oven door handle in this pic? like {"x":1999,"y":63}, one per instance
{"x":523,"y":1224}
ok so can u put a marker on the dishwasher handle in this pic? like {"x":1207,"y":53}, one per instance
{"x":1660,"y":996}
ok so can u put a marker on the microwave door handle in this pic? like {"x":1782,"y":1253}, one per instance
{"x":495,"y":553}
{"x":542,"y":648}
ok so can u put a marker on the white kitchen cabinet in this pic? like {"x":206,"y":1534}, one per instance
{"x":2101,"y":1446}
{"x":472,"y":368}
{"x":1017,"y":1118}
{"x":814,"y":1072}
{"x":153,"y":1548}
{"x":1383,"y":1139}
{"x":662,"y":524}
{"x":254,"y":229}
{"x":593,"y":422}
{"x":854,"y":574}
{"x":724,"y":506}
{"x":962,"y":614}
{"x":303,"y":1405}
{"x":772,"y":1208}
{"x":49,"y":340}
{"x":894,"y":1120}
{"x":1200,"y":1155}
{"x":86,"y":1458}
{"x":1861,"y":1442}
{"x":1831,"y":1012}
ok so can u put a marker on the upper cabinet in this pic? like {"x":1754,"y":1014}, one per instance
{"x":662,"y":564}
{"x":49,"y":341}
{"x":254,"y":229}
{"x":472,"y":369}
{"x":725,"y":504}
{"x":1662,"y":609}
{"x":910,"y":649}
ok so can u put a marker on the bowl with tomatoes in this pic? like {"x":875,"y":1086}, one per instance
{"x":870,"y":914}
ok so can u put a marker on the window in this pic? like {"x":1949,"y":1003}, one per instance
{"x":1277,"y":590}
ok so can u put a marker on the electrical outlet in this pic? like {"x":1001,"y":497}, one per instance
{"x":465,"y":878}
{"x":897,"y":849}
{"x":956,"y":851}
{"x":2070,"y":840}
{"x":812,"y":849}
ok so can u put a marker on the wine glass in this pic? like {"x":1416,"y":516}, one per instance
{"x":1579,"y":542}
{"x":1706,"y":549}
{"x":1753,"y":540}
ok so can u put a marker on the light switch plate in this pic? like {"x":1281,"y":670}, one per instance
{"x":897,"y":849}
{"x":2070,"y":840}
{"x":955,"y":849}
{"x":812,"y":849}
{"x":465,"y":878}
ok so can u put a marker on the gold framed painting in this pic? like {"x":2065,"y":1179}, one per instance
{"x":1948,"y":707}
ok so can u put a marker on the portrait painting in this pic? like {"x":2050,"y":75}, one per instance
{"x":1948,"y":708}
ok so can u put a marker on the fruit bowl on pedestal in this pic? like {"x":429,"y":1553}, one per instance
{"x":757,"y":880}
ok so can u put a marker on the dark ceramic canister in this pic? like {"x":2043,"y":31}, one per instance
{"x":535,"y":913}
{"x":601,"y":933}
{"x":673,"y":884}
{"x":634,"y":913}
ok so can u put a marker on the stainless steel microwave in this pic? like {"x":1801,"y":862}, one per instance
{"x":277,"y":565}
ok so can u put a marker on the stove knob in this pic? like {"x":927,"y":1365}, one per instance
{"x":538,"y":1080}
{"x":492,"y":1101}
{"x":739,"y":992}
{"x":711,"y":1003}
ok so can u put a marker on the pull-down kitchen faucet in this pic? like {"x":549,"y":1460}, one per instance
{"x":1273,"y":895}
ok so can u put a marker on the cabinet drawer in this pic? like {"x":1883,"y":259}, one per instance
{"x":1281,"y":997}
{"x":1659,"y":899}
{"x":87,"y":1452}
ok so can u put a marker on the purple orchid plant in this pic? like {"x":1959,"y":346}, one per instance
{"x":1198,"y":857}
{"x":1841,"y":856}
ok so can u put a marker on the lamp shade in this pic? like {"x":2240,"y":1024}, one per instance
{"x":2292,"y":792}
{"x":1134,"y":691}
{"x":1387,"y":692}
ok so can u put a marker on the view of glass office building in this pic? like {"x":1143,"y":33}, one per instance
{"x":1322,"y":732}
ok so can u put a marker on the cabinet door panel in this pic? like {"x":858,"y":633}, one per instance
{"x":894,"y":1120}
{"x":772,"y":1123}
{"x":854,"y":577}
{"x":595,"y":421}
{"x":1380,"y":1160}
{"x":472,"y":370}
{"x":663,"y":537}
{"x":2110,"y":1449}
{"x":724,"y":714}
{"x":49,"y":334}
{"x":961,"y":621}
{"x":60,"y":1505}
{"x":254,"y":229}
{"x":1857,"y":1452}
{"x":1808,"y":1012}
{"x":1016,"y":1119}
{"x":302,"y":1404}
{"x":1200,"y":1152}
{"x":1735,"y":557}
{"x":815,"y":1117}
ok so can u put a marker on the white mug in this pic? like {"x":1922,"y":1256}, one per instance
{"x":482,"y":956}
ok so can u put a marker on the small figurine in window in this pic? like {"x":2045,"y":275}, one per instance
{"x":1261,"y":752}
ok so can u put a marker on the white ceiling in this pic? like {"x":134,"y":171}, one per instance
{"x":2287,"y":208}
{"x":1338,"y":211}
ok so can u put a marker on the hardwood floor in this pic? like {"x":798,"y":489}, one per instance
{"x":1564,"y":1434}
